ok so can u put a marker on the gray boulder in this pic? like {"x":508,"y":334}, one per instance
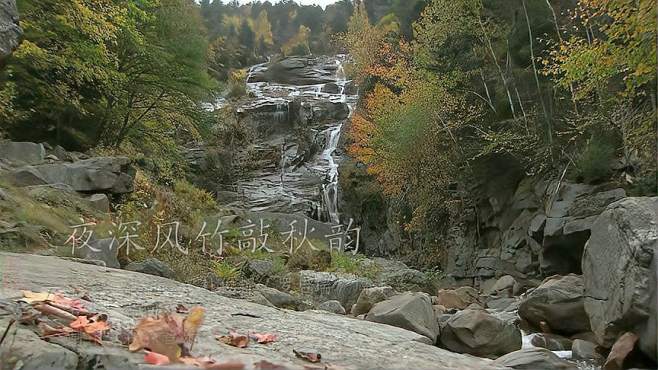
{"x":619,"y":271}
{"x":551,"y":342}
{"x":22,"y":152}
{"x":152,"y":266}
{"x":534,"y":359}
{"x":584,"y":350}
{"x":411,"y":311}
{"x":106,"y":250}
{"x":503,"y":286}
{"x":23,"y":349}
{"x":100,"y":202}
{"x":459,"y":298}
{"x":10,"y":31}
{"x":259,"y":270}
{"x":479,"y":333}
{"x":25,"y":176}
{"x":558,"y":302}
{"x":278,"y":298}
{"x":324,"y":286}
{"x":99,"y":175}
{"x":332,"y":306}
{"x":369,"y":297}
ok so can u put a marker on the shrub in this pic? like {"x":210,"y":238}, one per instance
{"x":594,"y":162}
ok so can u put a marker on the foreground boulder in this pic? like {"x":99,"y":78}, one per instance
{"x":411,"y":311}
{"x":534,"y":359}
{"x":559,"y":303}
{"x":126,"y":296}
{"x":479,"y":333}
{"x":10,"y":32}
{"x":619,"y":271}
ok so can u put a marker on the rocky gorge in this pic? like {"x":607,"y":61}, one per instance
{"x":540,"y":274}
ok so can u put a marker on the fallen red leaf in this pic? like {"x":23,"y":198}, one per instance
{"x":263,"y":338}
{"x":155,"y":358}
{"x":308,"y":356}
{"x":181,"y":309}
{"x":234,"y":339}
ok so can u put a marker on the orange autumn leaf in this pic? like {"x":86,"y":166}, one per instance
{"x":308,"y":356}
{"x":193,"y":322}
{"x":156,"y":334}
{"x":234,"y":339}
{"x":154,"y":358}
{"x":263,"y":338}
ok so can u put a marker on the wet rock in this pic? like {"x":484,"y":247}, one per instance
{"x":619,"y":270}
{"x":369,"y":297}
{"x":152,"y":266}
{"x":332,"y":306}
{"x":479,"y":333}
{"x":534,"y":359}
{"x":297,"y":71}
{"x":106,"y":250}
{"x":584,"y":350}
{"x":22,"y":153}
{"x":10,"y":31}
{"x":376,"y":346}
{"x":411,"y":311}
{"x":459,"y":298}
{"x":551,"y":342}
{"x":23,"y":349}
{"x":558,"y":302}
{"x":331,"y":88}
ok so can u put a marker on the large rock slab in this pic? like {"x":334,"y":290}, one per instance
{"x":558,"y":302}
{"x":22,"y":152}
{"x":411,"y":311}
{"x":126,"y":296}
{"x":96,"y":175}
{"x":619,"y":271}
{"x":479,"y":333}
{"x":10,"y":31}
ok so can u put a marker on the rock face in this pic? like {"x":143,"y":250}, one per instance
{"x":534,"y":359}
{"x":126,"y":296}
{"x":479,"y":333}
{"x":297,"y":71}
{"x":10,"y":32}
{"x":105,"y":250}
{"x":524,"y":227}
{"x":619,"y":271}
{"x":411,"y":311}
{"x":558,"y":302}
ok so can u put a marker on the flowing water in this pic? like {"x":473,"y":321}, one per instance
{"x":312,"y":186}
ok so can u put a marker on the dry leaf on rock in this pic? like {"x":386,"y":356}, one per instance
{"x":154,"y":358}
{"x":181,"y":309}
{"x":234,"y":339}
{"x":192,"y":323}
{"x":263,"y":338}
{"x":308,"y":356}
{"x":34,"y":297}
{"x":156,"y":335}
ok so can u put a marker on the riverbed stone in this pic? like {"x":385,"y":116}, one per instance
{"x":411,"y":311}
{"x":479,"y":333}
{"x":534,"y":359}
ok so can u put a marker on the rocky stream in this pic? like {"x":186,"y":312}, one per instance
{"x":568,"y":285}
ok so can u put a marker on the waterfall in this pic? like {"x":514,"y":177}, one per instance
{"x":281,"y":113}
{"x":330,"y":188}
{"x":332,"y":136}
